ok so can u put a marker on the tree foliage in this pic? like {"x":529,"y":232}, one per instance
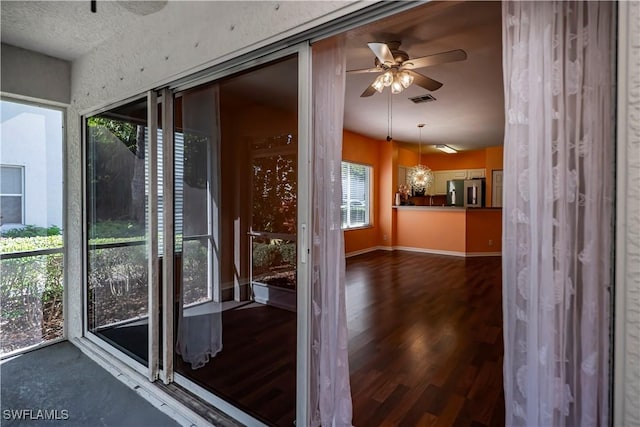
{"x":275,"y":186}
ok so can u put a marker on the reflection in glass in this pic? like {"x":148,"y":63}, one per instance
{"x":117,"y":270}
{"x":235,"y":213}
{"x":199,"y":332}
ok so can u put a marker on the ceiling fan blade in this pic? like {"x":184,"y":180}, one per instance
{"x":382,"y":52}
{"x":365,"y":70}
{"x":424,"y":81}
{"x":368,"y":91}
{"x":438,"y":58}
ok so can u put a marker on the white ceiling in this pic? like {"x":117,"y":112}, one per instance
{"x":468,"y":111}
{"x":68,"y":29}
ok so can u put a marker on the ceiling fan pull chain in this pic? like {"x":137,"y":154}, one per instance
{"x":389,"y":117}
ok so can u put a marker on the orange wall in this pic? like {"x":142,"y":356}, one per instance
{"x":440,"y":230}
{"x":388,"y":185}
{"x":475,"y":159}
{"x":484,"y":225}
{"x":449,"y":231}
{"x":407,"y":157}
{"x":360,"y":149}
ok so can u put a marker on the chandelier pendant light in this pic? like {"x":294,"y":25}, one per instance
{"x":420,"y":176}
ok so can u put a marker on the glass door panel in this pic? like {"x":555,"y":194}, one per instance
{"x":117,"y":267}
{"x":236,"y":178}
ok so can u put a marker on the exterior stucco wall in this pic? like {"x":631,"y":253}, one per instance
{"x":181,"y":39}
{"x":34,"y":75}
{"x":626,"y":408}
{"x":32,"y":138}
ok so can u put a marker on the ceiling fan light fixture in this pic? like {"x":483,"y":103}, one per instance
{"x":387,"y":78}
{"x":405,"y":79}
{"x":378,"y":85}
{"x":396,"y":86}
{"x":446,"y":149}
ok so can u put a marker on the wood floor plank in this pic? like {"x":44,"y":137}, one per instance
{"x":425,"y":346}
{"x":432,"y":324}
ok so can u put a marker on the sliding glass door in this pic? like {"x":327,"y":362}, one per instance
{"x":236,"y":218}
{"x":193,"y":237}
{"x":116,"y":213}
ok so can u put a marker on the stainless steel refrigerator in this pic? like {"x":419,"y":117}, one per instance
{"x":455,"y":192}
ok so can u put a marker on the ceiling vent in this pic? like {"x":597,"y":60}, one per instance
{"x":422,"y":98}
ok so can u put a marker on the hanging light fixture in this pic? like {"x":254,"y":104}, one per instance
{"x":420,"y":176}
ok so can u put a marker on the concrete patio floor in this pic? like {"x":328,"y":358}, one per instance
{"x":62,"y":383}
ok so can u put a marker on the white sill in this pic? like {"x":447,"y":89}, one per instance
{"x":364,"y":227}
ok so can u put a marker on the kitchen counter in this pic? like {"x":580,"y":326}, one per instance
{"x":449,"y":230}
{"x":431,"y":208}
{"x":445,"y":208}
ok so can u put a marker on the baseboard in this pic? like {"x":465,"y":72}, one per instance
{"x":423,"y":250}
{"x":367,"y":250}
{"x":429,"y":251}
{"x":480,"y":254}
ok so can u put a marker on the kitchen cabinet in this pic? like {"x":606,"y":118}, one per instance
{"x":475,"y":173}
{"x":439,"y":185}
{"x":440,"y":178}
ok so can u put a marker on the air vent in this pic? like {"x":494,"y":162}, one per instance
{"x":422,"y":98}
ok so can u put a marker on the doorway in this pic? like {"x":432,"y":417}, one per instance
{"x":236,"y":215}
{"x":205,"y":193}
{"x":425,"y":319}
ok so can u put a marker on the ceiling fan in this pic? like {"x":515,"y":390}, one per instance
{"x":398,"y":69}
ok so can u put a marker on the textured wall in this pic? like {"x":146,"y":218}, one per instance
{"x":627,"y":329}
{"x":31,"y":74}
{"x":182,"y":38}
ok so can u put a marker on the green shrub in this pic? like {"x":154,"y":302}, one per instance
{"x":288,"y":251}
{"x":266,"y":255}
{"x":32,"y":231}
{"x":273,"y":254}
{"x":116,"y":229}
{"x":21,"y":244}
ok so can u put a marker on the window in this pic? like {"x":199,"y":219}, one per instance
{"x":31,"y":240}
{"x":356,"y":195}
{"x":12,"y":194}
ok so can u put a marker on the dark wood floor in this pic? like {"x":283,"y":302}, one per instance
{"x":425,"y":346}
{"x":256,"y":369}
{"x":425,"y":340}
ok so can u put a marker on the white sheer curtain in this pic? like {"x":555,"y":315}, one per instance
{"x":557,"y":221}
{"x":199,"y":331}
{"x":330,"y":389}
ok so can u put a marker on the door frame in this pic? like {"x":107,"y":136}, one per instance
{"x":109,"y":349}
{"x":304,"y":200}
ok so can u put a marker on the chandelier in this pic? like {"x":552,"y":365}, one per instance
{"x":420,"y":176}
